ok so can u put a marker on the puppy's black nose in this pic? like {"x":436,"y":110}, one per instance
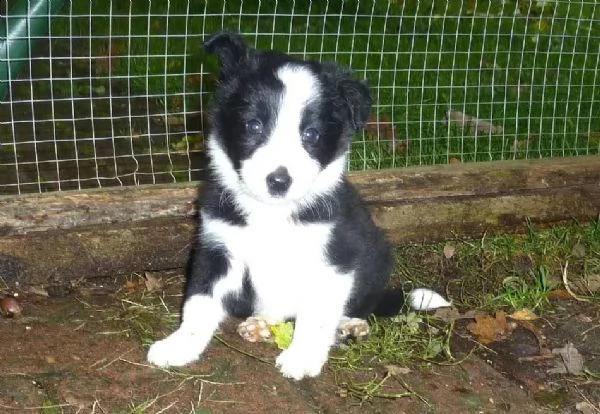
{"x":278,"y":182}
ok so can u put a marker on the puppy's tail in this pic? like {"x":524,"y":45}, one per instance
{"x":392,"y":301}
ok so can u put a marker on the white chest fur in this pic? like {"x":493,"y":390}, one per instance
{"x":287,"y":261}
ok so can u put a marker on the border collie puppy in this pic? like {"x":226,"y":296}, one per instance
{"x":282,"y":234}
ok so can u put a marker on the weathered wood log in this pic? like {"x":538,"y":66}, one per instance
{"x":62,"y":236}
{"x":57,"y":256}
{"x":71,"y":209}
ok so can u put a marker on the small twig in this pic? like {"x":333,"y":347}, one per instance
{"x":458,"y":362}
{"x":565,"y":280}
{"x":200,"y":392}
{"x":589,"y":329}
{"x":594,"y":375}
{"x":187,"y":376}
{"x":162,"y":302}
{"x":226,"y":401}
{"x":120,"y":357}
{"x":97,"y":404}
{"x":587,"y":400}
{"x":165,"y":409}
{"x":248,"y":354}
{"x":41,"y":407}
{"x":79,"y":326}
{"x":536,"y":358}
{"x":412,"y":392}
{"x":5,"y":285}
{"x":98,"y":362}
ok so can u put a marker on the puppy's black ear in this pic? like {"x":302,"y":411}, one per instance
{"x":230,"y":48}
{"x":358,"y":98}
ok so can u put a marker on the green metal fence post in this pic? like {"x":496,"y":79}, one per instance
{"x":25,"y":21}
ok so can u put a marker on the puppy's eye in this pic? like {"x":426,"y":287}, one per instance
{"x":310,"y":136}
{"x":254,"y":126}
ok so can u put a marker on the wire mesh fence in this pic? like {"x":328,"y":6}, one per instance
{"x":114,"y":93}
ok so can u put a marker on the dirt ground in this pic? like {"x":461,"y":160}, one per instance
{"x":82,"y":350}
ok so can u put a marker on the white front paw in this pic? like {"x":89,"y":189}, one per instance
{"x":176,"y":350}
{"x":299,"y":363}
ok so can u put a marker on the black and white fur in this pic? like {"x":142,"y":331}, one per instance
{"x":282,"y":234}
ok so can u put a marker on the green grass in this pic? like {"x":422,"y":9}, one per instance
{"x":503,"y":272}
{"x":483,"y":270}
{"x":532,"y":73}
{"x":530,"y":291}
{"x":366,"y":368}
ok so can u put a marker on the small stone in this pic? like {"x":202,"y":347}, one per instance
{"x":10,"y":307}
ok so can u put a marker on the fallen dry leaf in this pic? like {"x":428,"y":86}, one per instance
{"x":586,"y":407}
{"x":466,"y":121}
{"x":593,"y":282}
{"x":520,"y":88}
{"x":38,"y":290}
{"x":107,"y":57}
{"x":559,"y":294}
{"x":473,"y":313}
{"x":194,"y":80}
{"x":397,"y":370}
{"x":153,"y":283}
{"x":449,"y":250}
{"x":580,"y":317}
{"x":571,"y":361}
{"x":519,"y":145}
{"x":74,"y":401}
{"x":131,"y":285}
{"x":380,"y":127}
{"x":593,"y":136}
{"x":578,"y":251}
{"x":524,"y":315}
{"x":401,"y":145}
{"x":447,"y":314}
{"x":488,"y":328}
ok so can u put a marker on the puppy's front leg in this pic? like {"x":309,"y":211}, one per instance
{"x":213,"y":276}
{"x":309,"y":349}
{"x":315,"y":332}
{"x":202,"y":315}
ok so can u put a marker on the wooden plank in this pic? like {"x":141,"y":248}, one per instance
{"x":477,"y":179}
{"x":63,"y":236}
{"x":442,"y":218}
{"x":58,"y":256}
{"x":71,"y":209}
{"x":22,"y":214}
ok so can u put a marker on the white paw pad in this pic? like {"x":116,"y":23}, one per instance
{"x":255,"y":329}
{"x":175,"y":350}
